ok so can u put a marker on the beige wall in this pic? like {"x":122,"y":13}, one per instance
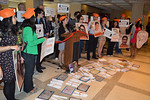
{"x":87,"y":8}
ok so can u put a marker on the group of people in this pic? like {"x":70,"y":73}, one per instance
{"x":31,"y":44}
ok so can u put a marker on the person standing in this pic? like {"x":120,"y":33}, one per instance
{"x":30,"y":51}
{"x":39,"y":13}
{"x":7,"y":45}
{"x":63,"y":29}
{"x":134,"y":31}
{"x":112,"y":44}
{"x":92,"y":42}
{"x":102,"y":39}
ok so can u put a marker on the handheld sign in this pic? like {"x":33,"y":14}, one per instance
{"x":49,"y":11}
{"x":123,"y":23}
{"x":19,"y":17}
{"x":39,"y":30}
{"x":115,"y":35}
{"x":63,"y":8}
{"x":142,"y":37}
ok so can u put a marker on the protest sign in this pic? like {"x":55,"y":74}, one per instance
{"x":18,"y":69}
{"x":49,"y":11}
{"x":124,"y":41}
{"x":4,"y":2}
{"x":123,"y":23}
{"x":142,"y":37}
{"x":63,"y":8}
{"x":115,"y":35}
{"x":39,"y":30}
{"x":19,"y":16}
{"x":86,"y":17}
{"x":47,"y":47}
{"x":96,"y":26}
{"x":84,"y":28}
{"x":108,"y":33}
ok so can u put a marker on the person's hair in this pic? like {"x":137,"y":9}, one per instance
{"x":7,"y":26}
{"x":76,"y":13}
{"x":96,"y":23}
{"x":29,"y":23}
{"x":38,"y":11}
{"x":138,"y":25}
{"x":78,"y":17}
{"x":117,"y":24}
{"x":81,"y":26}
{"x":125,"y":37}
{"x":20,"y":4}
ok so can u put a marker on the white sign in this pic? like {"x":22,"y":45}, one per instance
{"x":49,"y":11}
{"x":63,"y":8}
{"x":4,"y":2}
{"x":96,"y":26}
{"x":86,"y":17}
{"x":142,"y":37}
{"x":39,"y":30}
{"x":19,"y":16}
{"x":124,"y":41}
{"x":123,"y":23}
{"x":47,"y":47}
{"x":108,"y":33}
{"x":115,"y":35}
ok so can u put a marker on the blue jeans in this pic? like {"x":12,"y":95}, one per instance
{"x":117,"y":50}
{"x":29,"y":62}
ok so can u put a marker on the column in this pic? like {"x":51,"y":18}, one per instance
{"x":33,"y":3}
{"x":137,"y":11}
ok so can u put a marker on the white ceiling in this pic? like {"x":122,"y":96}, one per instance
{"x":102,"y":4}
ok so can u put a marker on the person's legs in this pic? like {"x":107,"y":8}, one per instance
{"x":9,"y":90}
{"x":94,"y":47}
{"x":81,"y":46}
{"x":117,"y":50}
{"x":131,"y":51}
{"x":60,"y":57}
{"x":89,"y":42}
{"x":134,"y":49}
{"x":29,"y":61}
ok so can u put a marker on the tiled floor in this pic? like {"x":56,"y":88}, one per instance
{"x":132,"y":85}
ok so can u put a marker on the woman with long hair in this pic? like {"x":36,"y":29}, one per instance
{"x":102,"y":39}
{"x":63,"y":29}
{"x":112,"y":44}
{"x":137,"y":28}
{"x":30,"y":50}
{"x":8,"y":43}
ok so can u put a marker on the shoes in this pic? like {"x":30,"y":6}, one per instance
{"x":39,"y":70}
{"x":94,"y":57}
{"x":33,"y":91}
{"x":43,"y":67}
{"x":88,"y":58}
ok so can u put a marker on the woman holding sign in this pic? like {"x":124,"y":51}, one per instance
{"x":7,"y":45}
{"x":137,"y":28}
{"x":111,"y":44}
{"x":63,"y":29}
{"x":30,"y":50}
{"x":102,"y":39}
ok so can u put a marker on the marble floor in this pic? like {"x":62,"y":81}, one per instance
{"x":132,"y":85}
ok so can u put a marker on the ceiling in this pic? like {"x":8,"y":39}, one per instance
{"x":102,"y":4}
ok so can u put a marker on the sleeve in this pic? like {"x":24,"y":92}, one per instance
{"x":31,"y":39}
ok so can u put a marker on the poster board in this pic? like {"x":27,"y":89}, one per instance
{"x":123,"y":23}
{"x":47,"y":47}
{"x":84,"y":28}
{"x":49,"y":11}
{"x":39,"y":30}
{"x":142,"y":37}
{"x":124,"y":41}
{"x":63,"y":8}
{"x":115,"y":35}
{"x":19,"y":16}
{"x":18,"y":69}
{"x":86,"y":17}
{"x":96,"y":26}
{"x":108,"y":33}
{"x":4,"y":2}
